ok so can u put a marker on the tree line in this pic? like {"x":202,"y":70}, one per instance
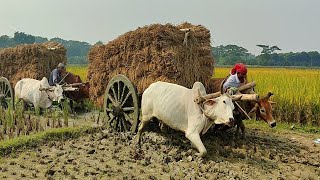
{"x":224,"y":55}
{"x":231,"y":54}
{"x":76,"y":51}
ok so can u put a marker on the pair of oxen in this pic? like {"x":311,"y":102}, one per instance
{"x":41,"y":95}
{"x":180,"y":109}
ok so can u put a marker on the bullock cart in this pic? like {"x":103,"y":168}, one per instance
{"x":179,"y":54}
{"x":121,"y":102}
{"x":6,"y":94}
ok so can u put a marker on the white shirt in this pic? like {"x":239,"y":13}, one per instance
{"x":232,"y":81}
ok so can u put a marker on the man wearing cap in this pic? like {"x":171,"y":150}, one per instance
{"x":237,"y":76}
{"x":56,"y":74}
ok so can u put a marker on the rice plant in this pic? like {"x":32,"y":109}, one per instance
{"x":79,"y":70}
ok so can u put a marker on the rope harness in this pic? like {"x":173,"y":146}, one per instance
{"x":202,"y":109}
{"x":48,"y":95}
{"x":64,"y":78}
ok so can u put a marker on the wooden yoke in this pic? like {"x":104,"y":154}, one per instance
{"x":244,"y":97}
{"x":247,"y":86}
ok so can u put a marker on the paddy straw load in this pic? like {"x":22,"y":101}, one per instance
{"x":31,"y":60}
{"x":178,"y":54}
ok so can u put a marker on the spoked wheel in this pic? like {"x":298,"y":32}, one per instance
{"x":121,"y":104}
{"x":6,"y":94}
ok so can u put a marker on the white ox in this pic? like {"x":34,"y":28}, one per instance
{"x":174,"y":106}
{"x":38,"y":93}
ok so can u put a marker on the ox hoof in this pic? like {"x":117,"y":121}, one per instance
{"x":202,"y":154}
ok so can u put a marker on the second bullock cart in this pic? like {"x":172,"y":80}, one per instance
{"x":6,"y":94}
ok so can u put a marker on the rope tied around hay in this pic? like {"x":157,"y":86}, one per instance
{"x":186,"y":35}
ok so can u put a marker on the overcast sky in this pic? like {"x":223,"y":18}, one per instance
{"x":293,"y":25}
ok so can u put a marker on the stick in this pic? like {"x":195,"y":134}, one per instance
{"x":64,"y":78}
{"x":242,"y":110}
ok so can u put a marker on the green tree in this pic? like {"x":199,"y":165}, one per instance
{"x":39,"y":39}
{"x":230,"y":54}
{"x":98,"y":43}
{"x":6,"y":41}
{"x":314,"y":58}
{"x":22,"y":38}
{"x":267,"y":49}
{"x":265,"y":58}
{"x":74,"y":48}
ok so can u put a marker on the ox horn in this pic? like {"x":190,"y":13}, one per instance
{"x":269,"y":95}
{"x":211,"y":96}
{"x":200,"y":98}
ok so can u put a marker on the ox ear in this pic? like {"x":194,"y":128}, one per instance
{"x":210,"y":102}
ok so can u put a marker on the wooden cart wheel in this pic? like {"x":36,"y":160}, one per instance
{"x":6,"y":94}
{"x":121,"y":104}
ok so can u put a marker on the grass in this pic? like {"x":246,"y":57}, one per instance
{"x":282,"y":127}
{"x":11,"y":145}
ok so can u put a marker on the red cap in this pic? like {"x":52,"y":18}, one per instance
{"x":239,"y":67}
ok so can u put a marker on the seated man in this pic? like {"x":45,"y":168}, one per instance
{"x":56,"y":74}
{"x":237,"y":77}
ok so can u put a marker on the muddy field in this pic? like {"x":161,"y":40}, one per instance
{"x":168,"y":155}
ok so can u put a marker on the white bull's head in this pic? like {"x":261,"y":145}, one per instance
{"x":54,"y":92}
{"x":220,"y":109}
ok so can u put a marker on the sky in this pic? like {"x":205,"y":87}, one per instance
{"x":292,"y":25}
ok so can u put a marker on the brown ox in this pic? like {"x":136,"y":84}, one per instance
{"x":262,"y":108}
{"x":77,"y":96}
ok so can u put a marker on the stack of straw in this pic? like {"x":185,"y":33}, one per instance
{"x":152,"y":53}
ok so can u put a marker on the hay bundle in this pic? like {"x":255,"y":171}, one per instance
{"x":30,"y":60}
{"x":152,"y":53}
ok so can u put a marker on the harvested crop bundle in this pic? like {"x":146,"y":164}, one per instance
{"x":177,"y":54}
{"x":30,"y":60}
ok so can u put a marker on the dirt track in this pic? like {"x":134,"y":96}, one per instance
{"x":110,"y":155}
